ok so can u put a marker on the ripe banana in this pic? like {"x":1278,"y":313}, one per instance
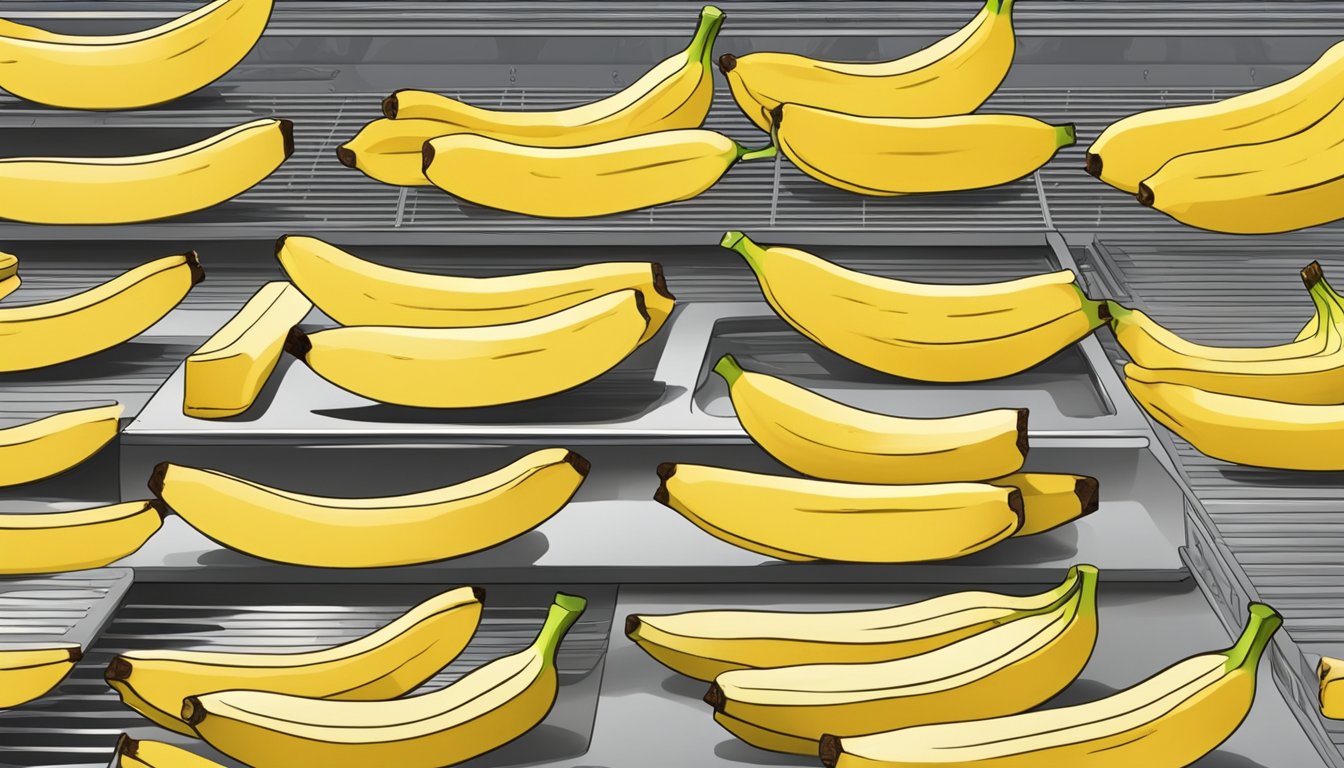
{"x":39,"y":335}
{"x":922,"y":331}
{"x":353,"y":291}
{"x":1331,"y":691}
{"x":1171,"y":719}
{"x":140,"y":69}
{"x":674,"y":94}
{"x":475,"y":367}
{"x":1243,"y":430}
{"x":49,"y":446}
{"x":1002,"y":671}
{"x":1132,"y":149}
{"x":9,"y":274}
{"x":123,"y":190}
{"x":133,"y":753}
{"x":887,"y":156}
{"x":800,"y":519}
{"x":324,"y":532}
{"x":954,"y":76}
{"x":55,"y":542}
{"x":30,"y":673}
{"x":392,"y":151}
{"x":1275,"y":186}
{"x":580,"y":182}
{"x":1051,"y":500}
{"x":490,"y":707}
{"x":385,"y":664}
{"x":820,"y":437}
{"x":704,"y":644}
{"x":225,"y":375}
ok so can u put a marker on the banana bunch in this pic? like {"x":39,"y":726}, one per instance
{"x":141,"y":69}
{"x":41,"y":335}
{"x":1331,"y":691}
{"x":954,"y":76}
{"x":323,"y":532}
{"x":385,"y":664}
{"x":133,"y":753}
{"x":49,"y":446}
{"x":925,"y":332}
{"x":9,"y":274}
{"x":889,"y":156}
{"x":27,"y":674}
{"x":55,"y":542}
{"x":1171,"y":719}
{"x":1002,"y":671}
{"x":705,"y":644}
{"x":489,"y":707}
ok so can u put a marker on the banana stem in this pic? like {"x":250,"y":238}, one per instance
{"x":728,"y":368}
{"x":1079,"y":585}
{"x":565,"y":610}
{"x":1261,"y":626}
{"x":1066,"y":135}
{"x":1098,"y":312}
{"x":756,"y":154}
{"x":750,"y":251}
{"x":1001,"y":6}
{"x":702,"y":45}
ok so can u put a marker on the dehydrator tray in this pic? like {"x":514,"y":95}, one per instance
{"x":60,"y":608}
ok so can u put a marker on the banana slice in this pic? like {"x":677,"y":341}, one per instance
{"x":56,"y":542}
{"x":49,"y":446}
{"x":27,"y":674}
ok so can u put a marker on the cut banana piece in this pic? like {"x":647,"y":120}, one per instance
{"x":1331,"y":690}
{"x":704,"y":644}
{"x":387,"y":663}
{"x":225,"y":375}
{"x":488,"y":708}
{"x":27,"y":674}
{"x":325,"y":532}
{"x":9,"y":274}
{"x":140,"y":69}
{"x":392,"y":151}
{"x":353,"y":291}
{"x":1051,"y":500}
{"x":801,"y":519}
{"x":55,"y":542}
{"x":39,"y":335}
{"x":49,"y":446}
{"x":477,"y":367}
{"x":124,"y":190}
{"x":133,"y":753}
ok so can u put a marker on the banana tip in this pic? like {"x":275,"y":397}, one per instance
{"x":660,"y":281}
{"x":1145,"y":194}
{"x":1093,"y":164}
{"x":828,"y":749}
{"x":727,"y":63}
{"x":156,"y":479}
{"x":192,"y":711}
{"x":632,"y":624}
{"x":580,"y":464}
{"x":126,"y":746}
{"x":642,"y":305}
{"x":160,"y":506}
{"x":1023,"y":442}
{"x":76,"y":655}
{"x":280,"y":244}
{"x":1312,"y":274}
{"x":1087,"y":489}
{"x":478,"y":593}
{"x":665,"y":471}
{"x":194,"y":264}
{"x":1322,"y":668}
{"x":776,"y":115}
{"x":118,"y":670}
{"x":1016,"y":504}
{"x":346,"y":155}
{"x":287,"y":133}
{"x":426,"y":156}
{"x":390,"y":107}
{"x":297,"y":343}
{"x":714,"y":697}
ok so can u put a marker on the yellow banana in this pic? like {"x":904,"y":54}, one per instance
{"x":123,"y":190}
{"x":1051,"y":500}
{"x":133,"y":753}
{"x":1134,"y":148}
{"x":704,"y":644}
{"x":225,"y":375}
{"x":674,"y":94}
{"x":353,"y":291}
{"x":1243,"y":430}
{"x":580,"y":182}
{"x":1002,"y":671}
{"x":392,"y":151}
{"x":9,"y":274}
{"x":1312,"y":274}
{"x":886,"y":156}
{"x":1171,"y":719}
{"x":385,"y":664}
{"x":49,"y":446}
{"x":324,"y":532}
{"x":490,"y":707}
{"x":1331,"y":691}
{"x":800,"y":519}
{"x":30,"y":673}
{"x":475,"y":367}
{"x":39,"y":335}
{"x":826,"y":439}
{"x":55,"y":542}
{"x":954,"y":76}
{"x":135,"y":70}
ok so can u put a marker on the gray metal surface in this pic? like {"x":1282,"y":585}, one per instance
{"x":63,"y":607}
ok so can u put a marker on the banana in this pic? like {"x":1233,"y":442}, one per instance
{"x":822,"y":438}
{"x":353,"y":291}
{"x":9,"y":274}
{"x":1050,"y":500}
{"x":324,"y":532}
{"x":30,"y":673}
{"x":49,"y":446}
{"x":475,"y":367}
{"x":39,"y":335}
{"x":801,"y":519}
{"x":954,"y":76}
{"x":387,"y":663}
{"x":673,"y":95}
{"x":1135,"y":147}
{"x":392,"y":151}
{"x":55,"y":542}
{"x":1331,"y":692}
{"x":704,"y":644}
{"x":580,"y":182}
{"x":920,"y":331}
{"x":1002,"y":671}
{"x":1312,"y":274}
{"x":490,"y":707}
{"x":1243,"y":430}
{"x":124,"y":190}
{"x":140,"y":69}
{"x":1171,"y":719}
{"x":888,"y":156}
{"x":133,"y":753}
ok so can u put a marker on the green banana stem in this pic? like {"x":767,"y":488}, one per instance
{"x":1066,"y":135}
{"x":565,"y":610}
{"x":728,"y":368}
{"x":1001,"y":6}
{"x":1080,"y":585}
{"x":753,"y":253}
{"x":756,"y":154}
{"x":1261,"y":626}
{"x":1098,"y":312}
{"x":701,"y":48}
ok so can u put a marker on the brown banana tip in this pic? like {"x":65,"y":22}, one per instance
{"x":390,"y":107}
{"x":156,"y":479}
{"x":727,"y":63}
{"x":126,"y":746}
{"x":777,"y":115}
{"x":160,"y":506}
{"x":1023,"y":415}
{"x":632,"y":624}
{"x":478,"y":593}
{"x":1145,"y":195}
{"x":76,"y":654}
{"x":828,"y":749}
{"x":660,"y":282}
{"x":1312,"y":274}
{"x":714,"y":697}
{"x":194,"y":264}
{"x":287,"y":132}
{"x":1104,"y":312}
{"x":666,"y":470}
{"x":192,"y":711}
{"x":119,"y":670}
{"x":1322,"y":669}
{"x":580,"y":464}
{"x":426,"y":156}
{"x":280,"y":244}
{"x":1088,"y":491}
{"x":297,"y":343}
{"x":1093,"y":164}
{"x":1016,"y":504}
{"x":643,"y":306}
{"x":346,"y":155}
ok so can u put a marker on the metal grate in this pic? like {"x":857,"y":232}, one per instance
{"x":67,"y":607}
